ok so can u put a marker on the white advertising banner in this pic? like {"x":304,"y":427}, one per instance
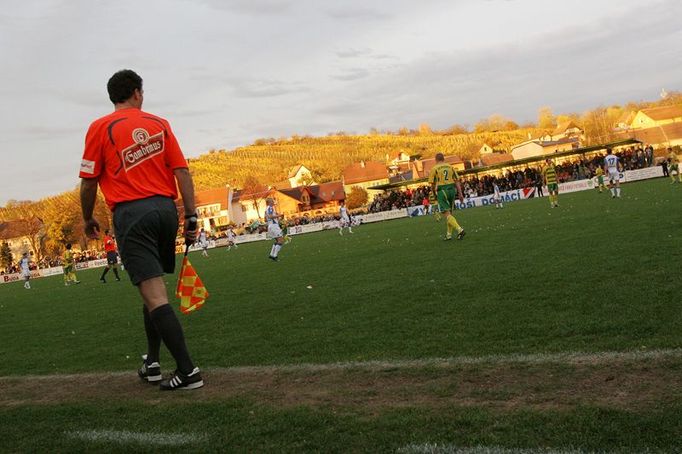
{"x":573,"y":186}
{"x":643,"y":174}
{"x":91,"y":264}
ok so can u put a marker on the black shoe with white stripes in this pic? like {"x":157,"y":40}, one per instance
{"x":181,"y":381}
{"x":150,"y":373}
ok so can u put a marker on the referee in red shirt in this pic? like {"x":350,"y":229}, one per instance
{"x":112,"y":257}
{"x":135,"y":159}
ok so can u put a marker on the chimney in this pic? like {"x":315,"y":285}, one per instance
{"x":362,"y":164}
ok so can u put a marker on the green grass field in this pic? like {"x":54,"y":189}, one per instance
{"x":385,"y":340}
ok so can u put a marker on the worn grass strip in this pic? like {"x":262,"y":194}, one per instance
{"x":143,"y":438}
{"x":569,"y":358}
{"x":436,"y":448}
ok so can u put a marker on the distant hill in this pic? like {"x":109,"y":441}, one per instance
{"x":327,"y":156}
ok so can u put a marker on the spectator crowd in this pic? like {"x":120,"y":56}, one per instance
{"x":474,"y":186}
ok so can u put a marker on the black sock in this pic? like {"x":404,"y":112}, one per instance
{"x":153,"y":338}
{"x":168,"y":326}
{"x":104,"y":273}
{"x":116,"y":273}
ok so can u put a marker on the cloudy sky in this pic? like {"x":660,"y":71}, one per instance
{"x":226,"y":72}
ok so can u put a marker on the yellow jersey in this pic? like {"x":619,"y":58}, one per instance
{"x":68,"y":258}
{"x":443,"y":174}
{"x":598,"y":172}
{"x":549,"y":173}
{"x":673,"y":158}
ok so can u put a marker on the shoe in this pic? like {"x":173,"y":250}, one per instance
{"x":274,"y":259}
{"x":461,"y":234}
{"x":66,"y":284}
{"x":350,"y":231}
{"x":447,"y":238}
{"x":150,"y":373}
{"x":103,"y":281}
{"x":118,"y":279}
{"x":181,"y":381}
{"x":76,"y":282}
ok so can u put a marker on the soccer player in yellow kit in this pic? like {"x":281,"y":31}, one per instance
{"x":445,"y":184}
{"x":599,"y":173}
{"x":674,"y":166}
{"x":549,"y":174}
{"x":69,"y":268}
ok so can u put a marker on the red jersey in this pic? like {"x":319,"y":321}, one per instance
{"x":109,"y":244}
{"x":132,"y":154}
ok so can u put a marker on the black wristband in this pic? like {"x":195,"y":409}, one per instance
{"x":190,"y":216}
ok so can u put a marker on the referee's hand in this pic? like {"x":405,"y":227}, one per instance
{"x":190,"y":231}
{"x":92,"y":228}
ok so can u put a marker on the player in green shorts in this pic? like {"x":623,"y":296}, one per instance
{"x":445,"y":184}
{"x":549,"y":175}
{"x":599,"y":173}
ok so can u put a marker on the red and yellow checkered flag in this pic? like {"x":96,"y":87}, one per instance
{"x":191,"y":290}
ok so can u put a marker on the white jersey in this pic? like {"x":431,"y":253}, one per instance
{"x":343,"y":213}
{"x":496,"y":189}
{"x":611,"y":163}
{"x":203,"y":240}
{"x":271,"y":215}
{"x":230,"y":235}
{"x":274,"y":230}
{"x":23,"y":264}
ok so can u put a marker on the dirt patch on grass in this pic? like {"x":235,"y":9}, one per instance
{"x":632,"y":385}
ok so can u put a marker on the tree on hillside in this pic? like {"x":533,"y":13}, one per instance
{"x":425,"y":129}
{"x":495,"y":122}
{"x":598,"y":124}
{"x":546,"y":119}
{"x":255,"y":191}
{"x":358,"y":197}
{"x":34,"y":229}
{"x":6,"y":258}
{"x":456,"y":129}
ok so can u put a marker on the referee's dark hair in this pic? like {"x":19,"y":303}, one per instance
{"x":122,"y":85}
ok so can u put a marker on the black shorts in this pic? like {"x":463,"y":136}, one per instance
{"x":146,"y":231}
{"x":112,"y":258}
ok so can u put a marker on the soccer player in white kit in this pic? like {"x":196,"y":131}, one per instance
{"x":274,"y":230}
{"x":25,"y":271}
{"x":344,"y":218}
{"x":612,"y":171}
{"x":497,"y":198}
{"x":231,"y":238}
{"x":203,"y":242}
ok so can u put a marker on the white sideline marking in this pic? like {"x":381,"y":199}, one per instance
{"x":435,"y":448}
{"x":514,"y":358}
{"x":127,"y":437}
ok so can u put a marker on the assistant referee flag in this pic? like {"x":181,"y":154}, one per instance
{"x":190,"y":290}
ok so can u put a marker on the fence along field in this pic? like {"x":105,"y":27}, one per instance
{"x":554,"y":328}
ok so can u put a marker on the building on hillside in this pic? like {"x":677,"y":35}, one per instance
{"x":365,"y":175}
{"x":656,"y":116}
{"x":291,"y":202}
{"x":300,"y":175}
{"x":247,"y":207}
{"x":491,"y":159}
{"x":624,"y":122}
{"x":21,"y":235}
{"x":490,"y":148}
{"x":312,"y":200}
{"x":667,"y":135}
{"x":214,"y":208}
{"x":535,"y":147}
{"x":566,"y":129}
{"x":400,"y":163}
